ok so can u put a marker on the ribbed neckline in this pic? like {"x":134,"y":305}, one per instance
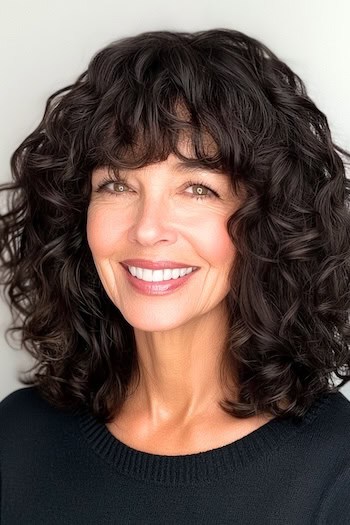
{"x":199,"y":468}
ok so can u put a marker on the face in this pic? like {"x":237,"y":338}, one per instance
{"x":162,"y":212}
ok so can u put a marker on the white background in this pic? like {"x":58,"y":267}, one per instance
{"x":46,"y":44}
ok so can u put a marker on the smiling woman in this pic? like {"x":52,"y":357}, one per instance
{"x":176,"y":257}
{"x":149,"y":214}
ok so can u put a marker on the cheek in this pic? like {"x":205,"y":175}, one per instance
{"x":103,"y":232}
{"x":214,"y":242}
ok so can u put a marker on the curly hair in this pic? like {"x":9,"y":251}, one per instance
{"x":289,"y":294}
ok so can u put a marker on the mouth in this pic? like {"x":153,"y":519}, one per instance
{"x":157,"y":287}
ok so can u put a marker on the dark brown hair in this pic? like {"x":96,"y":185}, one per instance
{"x":289,"y":299}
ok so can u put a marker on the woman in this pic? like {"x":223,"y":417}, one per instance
{"x":177,"y":252}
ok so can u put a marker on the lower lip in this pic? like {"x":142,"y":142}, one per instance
{"x":160,"y":288}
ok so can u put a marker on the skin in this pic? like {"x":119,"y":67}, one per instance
{"x":179,"y":336}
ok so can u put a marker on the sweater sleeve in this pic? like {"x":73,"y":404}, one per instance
{"x":335,"y":507}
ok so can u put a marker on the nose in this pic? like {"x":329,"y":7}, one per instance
{"x":152,"y":223}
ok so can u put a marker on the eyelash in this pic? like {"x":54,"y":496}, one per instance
{"x":121,"y":180}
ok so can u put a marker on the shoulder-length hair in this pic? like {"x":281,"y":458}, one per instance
{"x":289,"y":289}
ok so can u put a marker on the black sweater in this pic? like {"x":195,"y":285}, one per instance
{"x":67,"y":468}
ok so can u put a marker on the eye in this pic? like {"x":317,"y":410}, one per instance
{"x":117,"y":187}
{"x":202,"y":191}
{"x":199,"y":191}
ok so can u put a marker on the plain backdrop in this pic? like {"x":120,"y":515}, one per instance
{"x":46,"y":44}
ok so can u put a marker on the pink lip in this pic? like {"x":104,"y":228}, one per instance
{"x":157,"y":265}
{"x":153,"y":288}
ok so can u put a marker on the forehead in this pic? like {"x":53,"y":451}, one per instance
{"x":184,"y":148}
{"x":184,"y":159}
{"x":172,"y":165}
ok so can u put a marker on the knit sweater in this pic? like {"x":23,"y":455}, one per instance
{"x":65,"y":467}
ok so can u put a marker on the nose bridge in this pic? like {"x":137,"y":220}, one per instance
{"x":152,"y":218}
{"x":153,"y":205}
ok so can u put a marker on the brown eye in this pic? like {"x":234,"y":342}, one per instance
{"x":116,"y":186}
{"x":201,"y":191}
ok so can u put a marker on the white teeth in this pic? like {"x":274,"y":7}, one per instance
{"x":148,"y":275}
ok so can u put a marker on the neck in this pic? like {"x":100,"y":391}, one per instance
{"x":180,"y":369}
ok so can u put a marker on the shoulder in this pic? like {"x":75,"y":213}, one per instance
{"x":18,"y":401}
{"x":336,"y":413}
{"x":26,"y":416}
{"x":19,"y":410}
{"x":330,"y":426}
{"x":335,"y":504}
{"x":21,"y":404}
{"x":18,"y":397}
{"x":339,"y":402}
{"x":329,"y":437}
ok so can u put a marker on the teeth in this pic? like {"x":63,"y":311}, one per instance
{"x":148,"y":275}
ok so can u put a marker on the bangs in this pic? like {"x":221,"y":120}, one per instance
{"x":148,"y":139}
{"x":159,"y":102}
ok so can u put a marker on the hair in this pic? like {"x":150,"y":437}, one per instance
{"x":289,"y":294}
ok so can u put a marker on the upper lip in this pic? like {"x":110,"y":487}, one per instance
{"x":155,"y":265}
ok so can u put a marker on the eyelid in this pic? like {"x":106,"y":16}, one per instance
{"x":205,"y":185}
{"x":120,"y":179}
{"x":108,"y":179}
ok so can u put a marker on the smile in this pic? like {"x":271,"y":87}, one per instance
{"x":158,"y":282}
{"x":167,"y":274}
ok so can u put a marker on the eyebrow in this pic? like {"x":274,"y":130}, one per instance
{"x":192,"y":166}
